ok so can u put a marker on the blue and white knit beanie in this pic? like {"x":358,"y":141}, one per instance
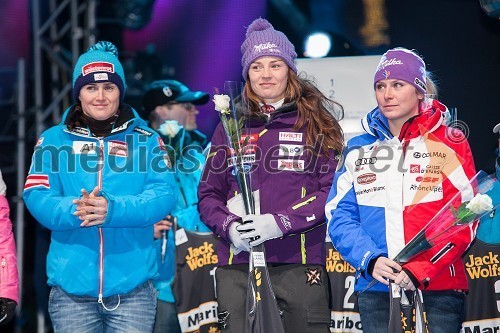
{"x":99,"y":64}
{"x":263,"y":40}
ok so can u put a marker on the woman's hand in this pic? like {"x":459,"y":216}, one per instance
{"x":404,"y":281}
{"x":165,"y":224}
{"x":385,"y":269}
{"x":91,"y":208}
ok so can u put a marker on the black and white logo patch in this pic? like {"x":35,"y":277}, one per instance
{"x":313,"y":276}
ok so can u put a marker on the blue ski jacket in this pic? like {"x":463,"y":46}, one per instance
{"x":130,"y":166}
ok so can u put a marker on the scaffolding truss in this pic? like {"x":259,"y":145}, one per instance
{"x":62,"y":29}
{"x":58,"y":40}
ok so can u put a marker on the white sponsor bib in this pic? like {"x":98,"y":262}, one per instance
{"x":84,"y":147}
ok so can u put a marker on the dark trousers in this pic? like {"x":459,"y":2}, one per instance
{"x":445,"y":311}
{"x":166,"y":318}
{"x":302,"y":295}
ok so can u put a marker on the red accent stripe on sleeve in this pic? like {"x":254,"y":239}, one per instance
{"x":36,"y":181}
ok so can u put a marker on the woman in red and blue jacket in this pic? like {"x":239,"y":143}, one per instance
{"x":392,"y":181}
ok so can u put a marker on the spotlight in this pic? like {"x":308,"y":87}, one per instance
{"x":317,"y":45}
{"x":134,"y":14}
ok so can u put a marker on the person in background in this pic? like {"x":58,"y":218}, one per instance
{"x":489,"y":227}
{"x":296,"y":141}
{"x":99,"y":181}
{"x":170,"y":107}
{"x":392,"y":181}
{"x":9,"y":279}
{"x":482,"y":299}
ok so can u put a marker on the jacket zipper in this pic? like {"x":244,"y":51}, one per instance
{"x":2,"y":272}
{"x":308,"y":201}
{"x":101,"y":236}
{"x":442,"y":252}
{"x":303,"y":235}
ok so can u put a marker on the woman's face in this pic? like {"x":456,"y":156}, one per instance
{"x":100,"y":101}
{"x":398,"y":100}
{"x":268,"y":78}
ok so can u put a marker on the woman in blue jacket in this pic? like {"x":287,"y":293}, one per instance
{"x":99,"y":181}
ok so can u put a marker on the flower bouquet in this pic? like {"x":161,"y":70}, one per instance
{"x":170,"y":128}
{"x":451,"y":218}
{"x":409,"y":315}
{"x":174,"y":133}
{"x":231,"y":106}
{"x":261,"y":306}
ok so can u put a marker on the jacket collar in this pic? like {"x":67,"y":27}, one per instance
{"x":428,"y":120}
{"x":286,"y":114}
{"x":127,"y":118}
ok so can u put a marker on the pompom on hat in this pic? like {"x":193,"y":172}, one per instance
{"x":402,"y":64}
{"x":263,"y":40}
{"x":99,"y":64}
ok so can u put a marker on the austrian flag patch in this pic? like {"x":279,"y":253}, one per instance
{"x":118,"y":148}
{"x":36,"y":181}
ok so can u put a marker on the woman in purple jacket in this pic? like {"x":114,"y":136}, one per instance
{"x":9,"y":280}
{"x":296,"y":141}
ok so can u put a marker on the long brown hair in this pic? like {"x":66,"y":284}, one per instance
{"x":318,"y":113}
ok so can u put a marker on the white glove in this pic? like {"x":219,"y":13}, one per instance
{"x":3,"y":187}
{"x":259,"y":228}
{"x":235,"y":237}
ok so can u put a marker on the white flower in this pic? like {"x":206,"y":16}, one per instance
{"x":480,"y":204}
{"x":222,"y":103}
{"x":170,"y":128}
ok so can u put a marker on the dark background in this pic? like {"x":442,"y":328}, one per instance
{"x":198,"y":42}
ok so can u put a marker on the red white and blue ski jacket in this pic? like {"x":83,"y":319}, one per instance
{"x":387,"y":189}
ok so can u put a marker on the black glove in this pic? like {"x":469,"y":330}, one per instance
{"x":7,"y":310}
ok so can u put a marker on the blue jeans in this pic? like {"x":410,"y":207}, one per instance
{"x":445,"y":311}
{"x":132,"y":312}
{"x":166,"y":318}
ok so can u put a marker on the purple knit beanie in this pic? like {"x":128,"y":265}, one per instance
{"x":262,"y":40}
{"x":402,"y":64}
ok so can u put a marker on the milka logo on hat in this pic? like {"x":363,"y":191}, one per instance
{"x":100,"y":66}
{"x":266,"y":46}
{"x":391,"y":62}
